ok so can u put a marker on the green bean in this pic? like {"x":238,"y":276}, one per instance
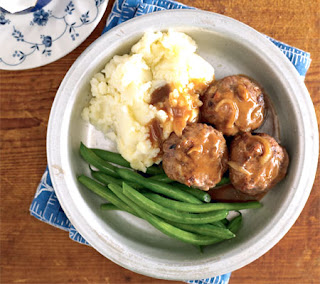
{"x":198,"y":193}
{"x":202,"y":195}
{"x":200,"y":208}
{"x":163,"y":226}
{"x":154,"y":170}
{"x":219,"y":224}
{"x":159,"y":187}
{"x":117,"y":159}
{"x":162,"y":178}
{"x":235,"y":223}
{"x":225,"y":222}
{"x":105,"y":179}
{"x":96,"y":161}
{"x":205,"y":229}
{"x":172,"y":215}
{"x":224,"y":180}
{"x":103,"y":192}
{"x":109,"y":207}
{"x":111,"y":157}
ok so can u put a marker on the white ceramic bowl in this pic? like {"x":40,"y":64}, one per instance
{"x":232,"y":48}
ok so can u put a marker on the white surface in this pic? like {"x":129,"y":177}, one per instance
{"x":232,"y":48}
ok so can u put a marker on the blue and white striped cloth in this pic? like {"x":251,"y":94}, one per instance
{"x":45,"y":205}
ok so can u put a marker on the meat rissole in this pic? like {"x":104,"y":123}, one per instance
{"x":198,"y":158}
{"x":233,"y":104}
{"x":257,"y":162}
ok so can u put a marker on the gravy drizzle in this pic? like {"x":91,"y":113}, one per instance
{"x":160,"y":94}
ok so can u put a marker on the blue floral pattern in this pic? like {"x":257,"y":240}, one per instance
{"x":85,"y":18}
{"x":19,"y":54}
{"x":40,"y":17}
{"x":70,"y":8}
{"x":72,"y":23}
{"x":47,"y":41}
{"x":3,"y":20}
{"x":17,"y":35}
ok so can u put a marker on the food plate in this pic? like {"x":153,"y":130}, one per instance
{"x":232,"y":48}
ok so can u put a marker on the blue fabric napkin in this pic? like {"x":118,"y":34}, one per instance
{"x":45,"y":205}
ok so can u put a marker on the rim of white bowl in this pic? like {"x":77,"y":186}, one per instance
{"x":57,"y":153}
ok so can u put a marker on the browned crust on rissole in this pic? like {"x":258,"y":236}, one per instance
{"x":233,"y":88}
{"x":198,"y":158}
{"x":247,"y":153}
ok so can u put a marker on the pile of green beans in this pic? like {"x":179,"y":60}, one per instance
{"x":176,"y":210}
{"x":119,"y":160}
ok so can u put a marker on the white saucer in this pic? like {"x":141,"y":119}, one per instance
{"x":38,"y":38}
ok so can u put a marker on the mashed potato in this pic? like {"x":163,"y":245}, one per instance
{"x":122,"y":94}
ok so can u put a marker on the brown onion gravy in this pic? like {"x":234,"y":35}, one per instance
{"x":227,"y":193}
{"x":160,"y":94}
{"x":270,"y":124}
{"x":178,"y":113}
{"x":155,"y":133}
{"x":160,"y":99}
